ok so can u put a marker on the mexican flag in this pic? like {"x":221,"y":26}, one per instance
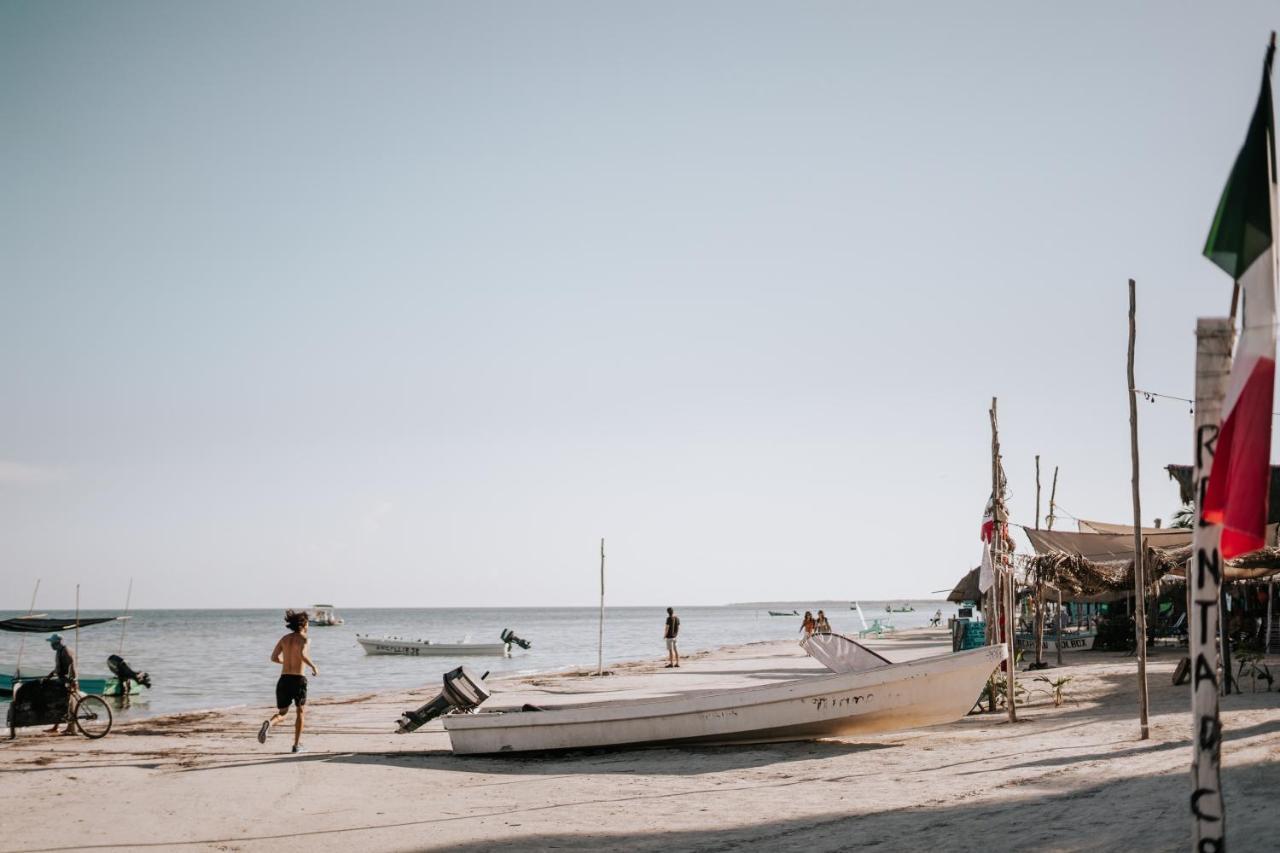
{"x":1242,"y":242}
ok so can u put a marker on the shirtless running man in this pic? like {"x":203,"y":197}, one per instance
{"x":291,"y":653}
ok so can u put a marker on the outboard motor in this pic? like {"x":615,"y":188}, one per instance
{"x":509,"y":637}
{"x":462,"y":692}
{"x":125,"y":673}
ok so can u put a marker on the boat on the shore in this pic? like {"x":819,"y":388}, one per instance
{"x":324,"y":616}
{"x":427,"y":648}
{"x":888,"y":697}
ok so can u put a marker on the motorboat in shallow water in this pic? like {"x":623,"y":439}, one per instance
{"x":871,"y":695}
{"x":429,"y":648}
{"x":324,"y":616}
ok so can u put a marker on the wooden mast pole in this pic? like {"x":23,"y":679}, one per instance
{"x":1139,"y":552}
{"x":22,"y":644}
{"x":600,"y":635}
{"x":1057,"y":622}
{"x":1214,"y":336}
{"x":1006,"y":583}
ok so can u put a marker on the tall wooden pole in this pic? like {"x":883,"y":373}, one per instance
{"x":600,"y":637}
{"x":1039,"y":591}
{"x":1053,"y":493}
{"x":1139,"y":553}
{"x":1007,"y":585}
{"x":1204,"y":578}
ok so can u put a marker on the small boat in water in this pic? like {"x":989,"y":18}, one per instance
{"x":779,"y":613}
{"x":876,"y":697}
{"x":427,"y":648}
{"x":101,"y":685}
{"x":324,"y":616}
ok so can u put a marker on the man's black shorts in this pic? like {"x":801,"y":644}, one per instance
{"x":291,"y":689}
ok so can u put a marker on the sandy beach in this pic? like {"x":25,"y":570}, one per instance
{"x":1068,"y":778}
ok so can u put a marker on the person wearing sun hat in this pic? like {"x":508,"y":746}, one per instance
{"x":64,"y":669}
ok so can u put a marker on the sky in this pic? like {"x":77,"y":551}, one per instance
{"x":410,"y":304}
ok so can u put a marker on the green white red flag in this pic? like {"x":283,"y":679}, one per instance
{"x":1242,"y":242}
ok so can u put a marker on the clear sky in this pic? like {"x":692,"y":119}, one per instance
{"x":411,"y":303}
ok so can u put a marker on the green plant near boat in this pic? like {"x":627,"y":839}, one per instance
{"x":1056,"y":688}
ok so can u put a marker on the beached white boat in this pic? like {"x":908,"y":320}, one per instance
{"x":426,"y":648}
{"x":884,"y":698}
{"x":325,"y":616}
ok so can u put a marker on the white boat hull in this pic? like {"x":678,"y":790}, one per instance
{"x":898,"y":696}
{"x":422,"y":648}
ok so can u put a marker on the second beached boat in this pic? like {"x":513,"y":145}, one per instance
{"x":877,"y":697}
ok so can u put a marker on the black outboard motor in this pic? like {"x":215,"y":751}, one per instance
{"x":462,"y":692}
{"x":125,"y":673}
{"x":509,"y":637}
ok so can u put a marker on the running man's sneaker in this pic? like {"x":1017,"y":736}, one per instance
{"x":262,"y":732}
{"x":297,"y":747}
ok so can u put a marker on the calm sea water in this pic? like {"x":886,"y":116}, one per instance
{"x":207,"y":659}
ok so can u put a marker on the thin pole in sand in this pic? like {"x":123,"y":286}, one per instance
{"x":1214,"y":337}
{"x":1010,"y":587}
{"x":1057,"y":628}
{"x":22,"y":644}
{"x":1039,"y":619}
{"x":1139,"y":549}
{"x":124,"y":623}
{"x":600,"y":637}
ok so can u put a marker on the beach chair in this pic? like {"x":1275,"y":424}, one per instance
{"x":876,"y":627}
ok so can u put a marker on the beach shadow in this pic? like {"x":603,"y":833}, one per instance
{"x":1147,"y":812}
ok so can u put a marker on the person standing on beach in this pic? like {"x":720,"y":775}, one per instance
{"x":822,"y":626}
{"x":669,"y":633}
{"x":64,"y":670}
{"x":291,"y":688}
{"x":808,"y":625}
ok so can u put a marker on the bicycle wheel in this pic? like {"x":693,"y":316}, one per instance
{"x":93,"y":717}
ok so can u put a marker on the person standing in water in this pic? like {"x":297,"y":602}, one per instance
{"x":669,"y":633}
{"x":822,"y":626}
{"x":291,"y":688}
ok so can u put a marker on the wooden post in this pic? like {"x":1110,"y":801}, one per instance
{"x":1038,"y":596}
{"x":1266,"y":645}
{"x":600,"y":637}
{"x":124,"y":623}
{"x":1204,"y":578}
{"x":1008,"y":587}
{"x":1139,"y":552}
{"x":1057,"y":628}
{"x":1053,"y":493}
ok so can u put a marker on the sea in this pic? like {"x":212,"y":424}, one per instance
{"x":200,"y":659}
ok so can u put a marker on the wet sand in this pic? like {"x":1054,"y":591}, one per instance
{"x":1068,"y":778}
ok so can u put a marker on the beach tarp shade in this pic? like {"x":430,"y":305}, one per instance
{"x":1103,"y":547}
{"x":1084,"y":526}
{"x":967,"y":588}
{"x":25,"y":625}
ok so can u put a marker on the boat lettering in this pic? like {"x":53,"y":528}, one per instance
{"x":820,"y":702}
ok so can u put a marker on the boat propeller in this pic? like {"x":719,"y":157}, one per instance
{"x":509,"y":637}
{"x":462,"y":692}
{"x":125,"y":673}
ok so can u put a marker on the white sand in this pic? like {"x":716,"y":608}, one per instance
{"x":1069,"y":778}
